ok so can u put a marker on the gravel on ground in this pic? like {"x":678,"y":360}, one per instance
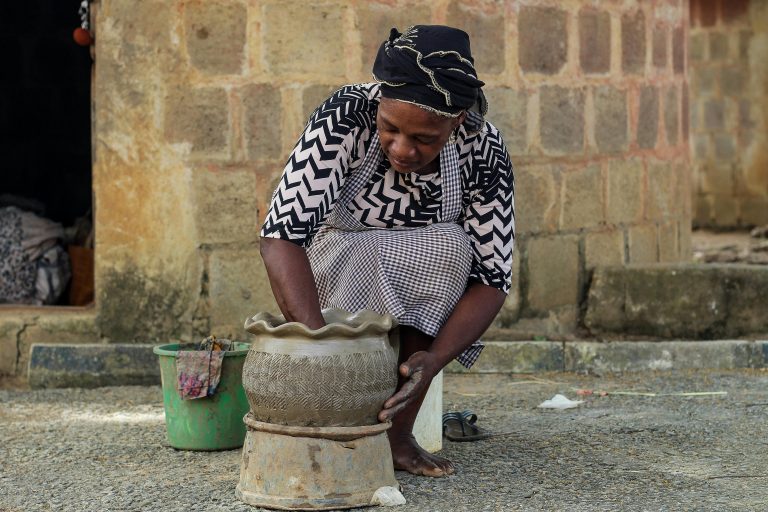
{"x":105,"y":449}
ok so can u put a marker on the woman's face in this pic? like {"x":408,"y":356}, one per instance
{"x":412,"y":137}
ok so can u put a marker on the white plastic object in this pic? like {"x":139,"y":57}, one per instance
{"x":560,"y":402}
{"x":387,"y":497}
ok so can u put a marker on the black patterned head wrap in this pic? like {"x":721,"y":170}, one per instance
{"x":432,"y":67}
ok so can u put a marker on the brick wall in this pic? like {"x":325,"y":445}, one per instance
{"x":729,"y":109}
{"x":198,"y":102}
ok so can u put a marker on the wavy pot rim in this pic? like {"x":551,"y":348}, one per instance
{"x":343,"y":324}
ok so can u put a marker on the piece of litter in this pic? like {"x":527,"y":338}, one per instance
{"x":560,"y":402}
{"x":388,"y":496}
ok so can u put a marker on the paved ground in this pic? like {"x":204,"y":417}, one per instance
{"x":104,"y":449}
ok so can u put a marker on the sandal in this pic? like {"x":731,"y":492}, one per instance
{"x":461,"y":427}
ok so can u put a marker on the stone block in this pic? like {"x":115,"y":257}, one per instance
{"x":92,"y":365}
{"x":647,"y":300}
{"x":661,"y":191}
{"x":708,"y":12}
{"x":697,"y":47}
{"x":660,"y":46}
{"x":215,"y":36}
{"x":633,"y":47}
{"x":685,"y":116}
{"x":610,"y":119}
{"x":313,"y":96}
{"x":725,"y":146}
{"x":603,"y":249}
{"x":642,"y":244}
{"x":486,"y":31}
{"x":703,"y":80}
{"x":238,"y":288}
{"x":634,"y":356}
{"x":718,"y":46}
{"x":226,"y":206}
{"x":745,"y":41}
{"x":669,"y":251}
{"x":703,"y":214}
{"x":562,"y":119}
{"x":648,"y":118}
{"x":753,"y":211}
{"x":543,"y":39}
{"x":375,"y":19}
{"x":684,"y":240}
{"x":536,"y":199}
{"x":510,"y":311}
{"x":198,"y":116}
{"x":732,"y":80}
{"x":9,"y":341}
{"x":734,"y":11}
{"x":553,"y":272}
{"x":671,"y":116}
{"x":701,"y":146}
{"x":516,"y":357}
{"x":508,"y":112}
{"x":678,"y":50}
{"x":288,"y":25}
{"x":625,"y":185}
{"x":262,"y":112}
{"x":716,"y":179}
{"x":594,"y":41}
{"x":582,"y":198}
{"x":725,"y":211}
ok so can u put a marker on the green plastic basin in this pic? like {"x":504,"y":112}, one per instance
{"x":209,"y":423}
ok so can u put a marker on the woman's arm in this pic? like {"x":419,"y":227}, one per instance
{"x":470,"y":318}
{"x":293,"y":285}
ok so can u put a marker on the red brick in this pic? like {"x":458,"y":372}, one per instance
{"x":543,"y":39}
{"x":678,"y":50}
{"x":734,"y":10}
{"x":695,"y":7}
{"x":633,"y":42}
{"x":708,"y":12}
{"x":594,"y":41}
{"x":660,"y":46}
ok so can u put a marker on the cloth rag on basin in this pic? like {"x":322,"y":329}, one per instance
{"x":198,"y":370}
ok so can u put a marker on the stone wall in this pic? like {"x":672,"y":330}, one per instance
{"x":198,"y":102}
{"x":729,"y":111}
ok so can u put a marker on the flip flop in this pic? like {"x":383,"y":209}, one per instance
{"x":460,"y":427}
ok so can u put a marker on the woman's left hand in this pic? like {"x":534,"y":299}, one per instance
{"x":418,"y":371}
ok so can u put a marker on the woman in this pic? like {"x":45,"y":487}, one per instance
{"x":398,"y":197}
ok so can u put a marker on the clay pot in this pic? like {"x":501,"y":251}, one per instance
{"x":339,"y":375}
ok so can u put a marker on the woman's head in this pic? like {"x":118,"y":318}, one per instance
{"x":412,"y":137}
{"x":428,"y":82}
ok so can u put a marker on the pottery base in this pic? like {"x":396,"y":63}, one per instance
{"x":313,"y":468}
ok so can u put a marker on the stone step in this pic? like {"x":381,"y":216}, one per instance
{"x":673,"y":301}
{"x":91,"y":365}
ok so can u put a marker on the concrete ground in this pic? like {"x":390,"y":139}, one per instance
{"x":105,"y":450}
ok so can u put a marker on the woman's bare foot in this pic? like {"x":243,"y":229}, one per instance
{"x":407,"y":455}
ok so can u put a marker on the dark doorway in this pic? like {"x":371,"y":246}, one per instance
{"x":45,"y":107}
{"x":45,"y":111}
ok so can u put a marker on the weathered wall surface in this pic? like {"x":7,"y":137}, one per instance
{"x":729,"y":111}
{"x":198,"y":102}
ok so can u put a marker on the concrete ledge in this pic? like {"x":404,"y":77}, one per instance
{"x":92,"y":365}
{"x":616,"y":356}
{"x":631,"y":356}
{"x":516,"y":357}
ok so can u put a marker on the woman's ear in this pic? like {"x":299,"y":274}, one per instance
{"x":460,"y":119}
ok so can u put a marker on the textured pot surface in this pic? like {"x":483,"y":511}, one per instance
{"x":339,"y":375}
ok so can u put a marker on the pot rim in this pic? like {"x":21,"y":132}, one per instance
{"x":344,"y":324}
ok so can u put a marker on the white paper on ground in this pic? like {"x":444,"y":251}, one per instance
{"x":560,"y":402}
{"x":388,"y":497}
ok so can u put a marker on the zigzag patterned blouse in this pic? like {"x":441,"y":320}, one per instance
{"x":334,"y":144}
